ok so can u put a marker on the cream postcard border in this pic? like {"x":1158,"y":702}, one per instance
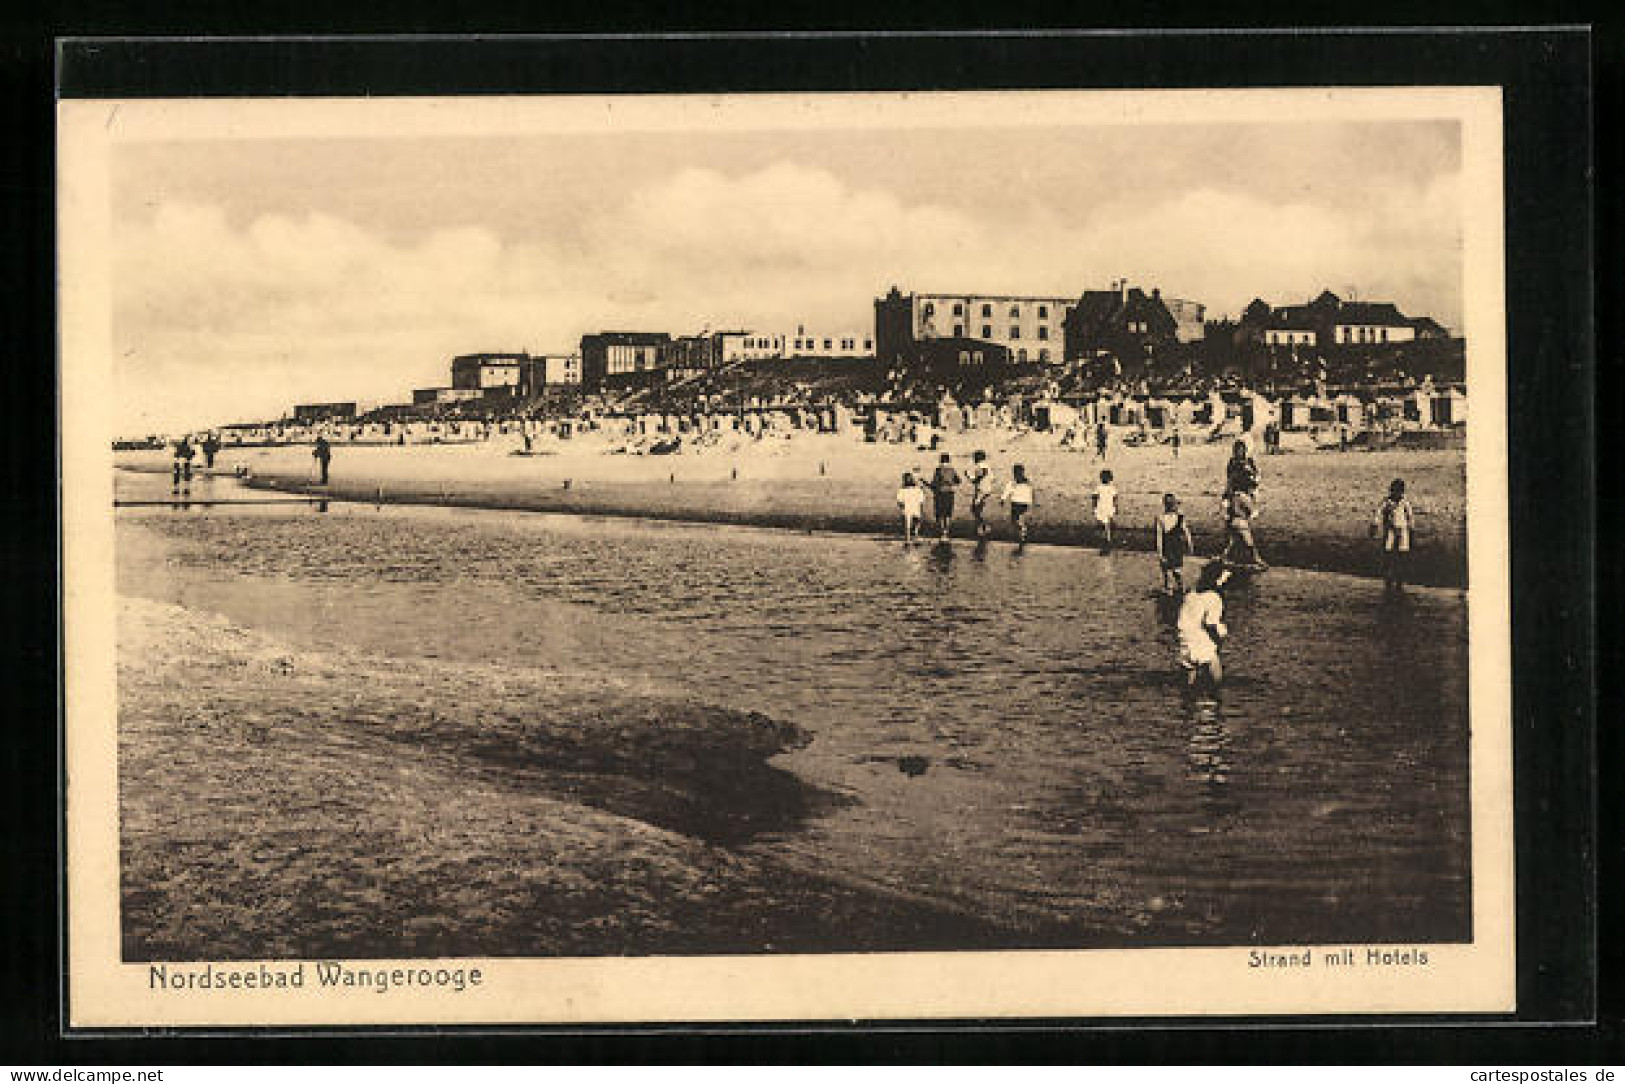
{"x":104,"y":992}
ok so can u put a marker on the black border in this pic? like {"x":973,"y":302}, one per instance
{"x":1546,"y":75}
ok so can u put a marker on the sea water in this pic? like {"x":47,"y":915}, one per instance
{"x":1001,"y":731}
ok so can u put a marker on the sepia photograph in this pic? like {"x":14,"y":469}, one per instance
{"x":785,"y":556}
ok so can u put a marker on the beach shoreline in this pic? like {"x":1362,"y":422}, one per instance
{"x":1316,"y":505}
{"x":567,"y":817}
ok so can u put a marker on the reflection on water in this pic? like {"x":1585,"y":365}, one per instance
{"x":1006,"y":728}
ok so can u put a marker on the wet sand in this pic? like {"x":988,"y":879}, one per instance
{"x":281,"y":803}
{"x":1315,"y":506}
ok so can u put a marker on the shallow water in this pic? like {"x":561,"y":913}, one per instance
{"x":1003,"y":730}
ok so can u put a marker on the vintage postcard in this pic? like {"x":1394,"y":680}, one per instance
{"x":785,"y":557}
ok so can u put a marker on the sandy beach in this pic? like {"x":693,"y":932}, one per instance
{"x":1315,"y":505}
{"x":270,"y":808}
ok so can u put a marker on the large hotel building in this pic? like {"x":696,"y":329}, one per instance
{"x":1031,"y":328}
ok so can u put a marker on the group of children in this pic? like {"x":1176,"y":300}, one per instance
{"x":944,"y":485}
{"x":1200,"y":621}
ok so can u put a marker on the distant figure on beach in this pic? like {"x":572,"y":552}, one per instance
{"x":211,"y":448}
{"x":1018,"y":494}
{"x":1241,"y":472}
{"x":944,"y":483}
{"x":181,"y":467}
{"x":981,"y":488}
{"x":1176,"y":439}
{"x":1201,"y":630}
{"x":323,"y":454}
{"x":1105,"y":502}
{"x":1102,"y":438}
{"x":1240,"y":547}
{"x":1173,"y":543}
{"x":1392,"y":525}
{"x":911,"y":502}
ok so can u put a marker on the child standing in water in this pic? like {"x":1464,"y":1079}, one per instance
{"x":1173,"y":543}
{"x":1105,"y":500}
{"x":911,"y":501}
{"x":1018,"y":493}
{"x":981,"y":488}
{"x":1392,"y":524}
{"x":1240,"y":548}
{"x":944,"y":483}
{"x":1201,"y":628}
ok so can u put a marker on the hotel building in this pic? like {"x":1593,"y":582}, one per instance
{"x":1029,"y":326}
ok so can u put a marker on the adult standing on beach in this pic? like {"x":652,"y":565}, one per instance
{"x":1102,"y":438}
{"x":323,"y":454}
{"x":944,"y":484}
{"x":211,"y":448}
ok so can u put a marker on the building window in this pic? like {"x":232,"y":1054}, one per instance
{"x":1015,"y":312}
{"x":959,"y":329}
{"x":930,"y":309}
{"x":1043,"y":355}
{"x":987,"y":331}
{"x":1384,"y":334}
{"x":1043,"y":333}
{"x":959,"y":309}
{"x":987,"y":310}
{"x":964,"y":357}
{"x":1021,"y":355}
{"x":827,"y":344}
{"x":1015,"y":332}
{"x":1043,"y":312}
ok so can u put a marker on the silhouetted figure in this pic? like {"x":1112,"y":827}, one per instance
{"x":323,"y":454}
{"x":181,"y":468}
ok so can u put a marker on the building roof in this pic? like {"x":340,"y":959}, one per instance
{"x":992,"y":297}
{"x":631,"y":338}
{"x":1371,"y":312}
{"x":1329,"y":307}
{"x":487,"y":359}
{"x":1094,"y":308}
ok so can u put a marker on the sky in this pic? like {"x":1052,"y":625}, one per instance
{"x":250,"y":275}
